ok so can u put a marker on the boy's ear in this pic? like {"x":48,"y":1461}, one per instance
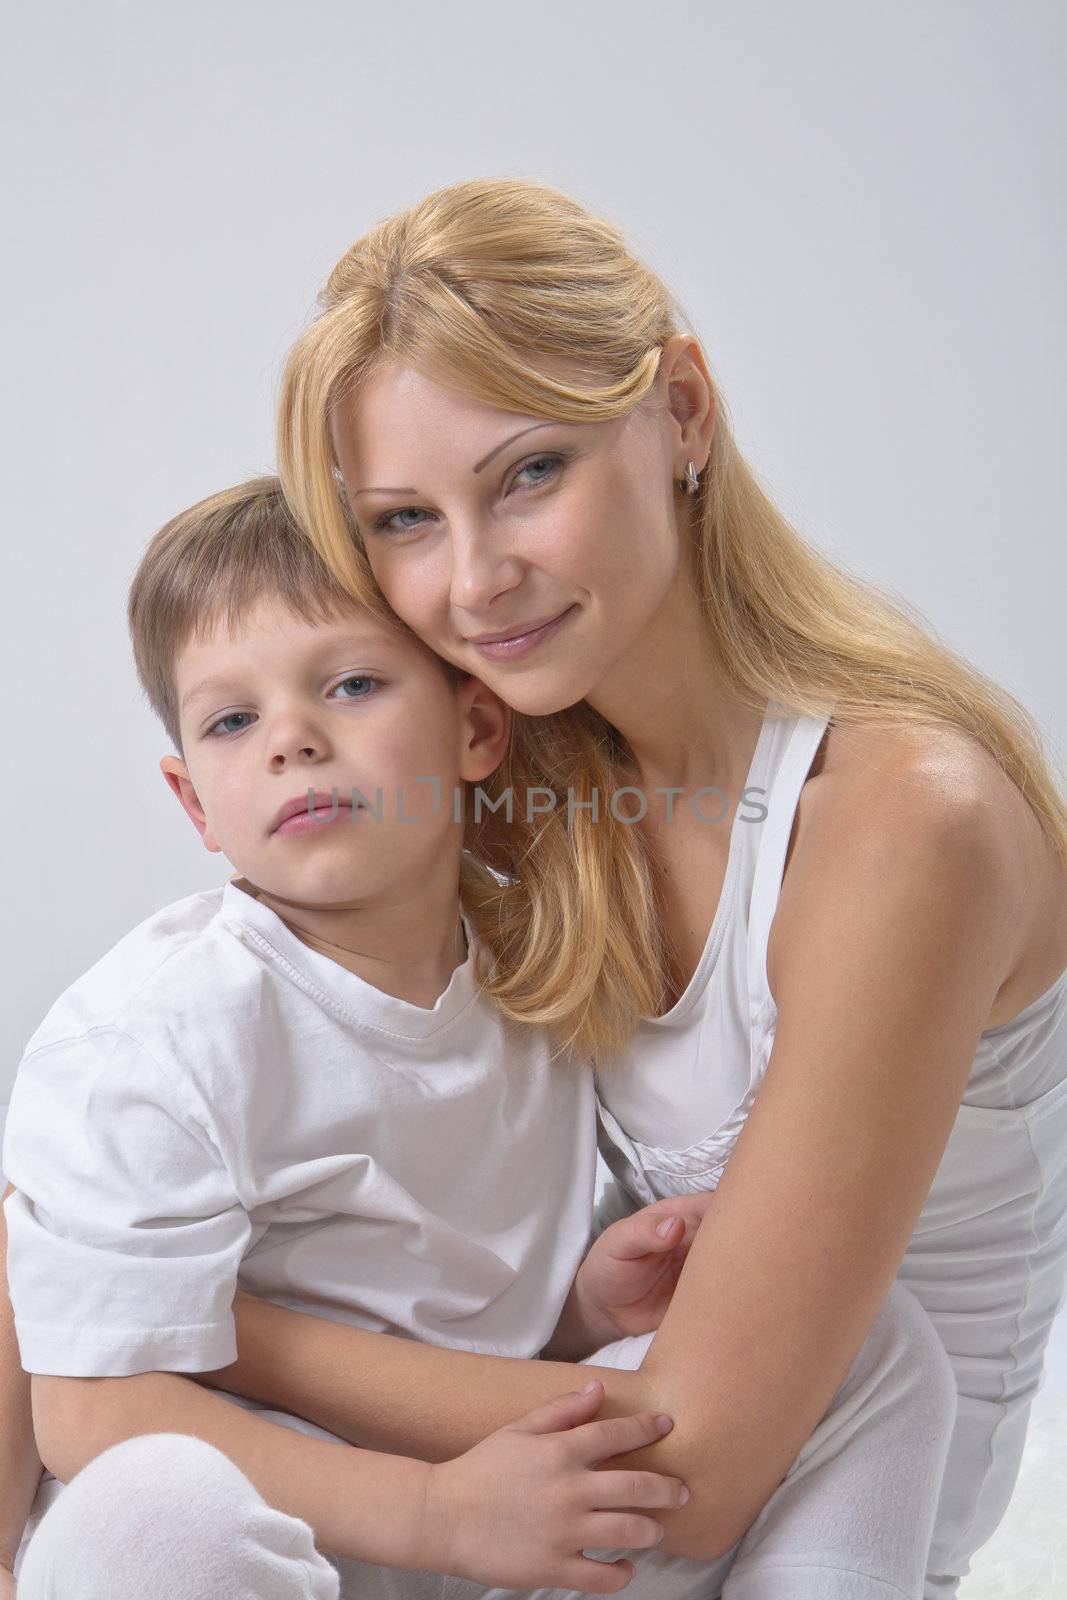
{"x":486,"y":721}
{"x":176,"y":773}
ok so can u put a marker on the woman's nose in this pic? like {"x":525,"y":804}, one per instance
{"x":481,"y":572}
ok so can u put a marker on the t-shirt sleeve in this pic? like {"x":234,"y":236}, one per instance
{"x":125,"y":1233}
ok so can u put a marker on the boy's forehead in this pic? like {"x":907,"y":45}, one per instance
{"x":284,"y":624}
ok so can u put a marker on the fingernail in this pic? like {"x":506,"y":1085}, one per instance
{"x":664,"y":1423}
{"x":683,"y":1495}
{"x":589,"y":1387}
{"x":665,"y":1226}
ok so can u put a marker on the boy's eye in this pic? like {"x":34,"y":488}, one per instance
{"x":361,"y":678}
{"x":361,"y":685}
{"x":388,"y":523}
{"x":221,"y":723}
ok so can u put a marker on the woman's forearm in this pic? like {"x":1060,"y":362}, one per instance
{"x":20,"y":1464}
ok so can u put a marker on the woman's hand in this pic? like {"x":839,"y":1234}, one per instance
{"x":625,"y":1283}
{"x":518,"y":1509}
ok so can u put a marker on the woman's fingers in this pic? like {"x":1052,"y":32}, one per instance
{"x":625,"y":1488}
{"x":596,"y":1441}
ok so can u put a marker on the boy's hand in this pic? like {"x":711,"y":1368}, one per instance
{"x":625,"y":1283}
{"x":518,"y":1509}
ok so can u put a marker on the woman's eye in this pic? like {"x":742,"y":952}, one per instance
{"x":221,"y":723}
{"x":384,"y":524}
{"x":388,"y":521}
{"x":361,"y":678}
{"x":539,"y":461}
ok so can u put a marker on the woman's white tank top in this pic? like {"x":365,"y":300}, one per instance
{"x":988,"y":1258}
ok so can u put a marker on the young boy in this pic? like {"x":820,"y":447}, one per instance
{"x":294,"y":1085}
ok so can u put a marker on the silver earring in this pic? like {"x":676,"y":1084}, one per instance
{"x":690,"y":484}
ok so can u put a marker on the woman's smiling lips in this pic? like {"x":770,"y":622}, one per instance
{"x":519,"y":644}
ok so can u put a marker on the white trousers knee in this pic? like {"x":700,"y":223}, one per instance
{"x":166,"y":1516}
{"x":169,"y":1516}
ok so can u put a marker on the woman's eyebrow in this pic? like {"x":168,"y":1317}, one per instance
{"x":484,"y":462}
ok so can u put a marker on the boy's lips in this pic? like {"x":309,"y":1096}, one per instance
{"x":321,"y":801}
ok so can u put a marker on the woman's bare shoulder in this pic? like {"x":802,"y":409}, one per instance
{"x":941,"y":756}
{"x":933,"y":768}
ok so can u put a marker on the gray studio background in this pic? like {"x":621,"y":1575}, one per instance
{"x":860,"y":207}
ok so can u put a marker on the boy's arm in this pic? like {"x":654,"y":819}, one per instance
{"x":402,"y":1396}
{"x":20,"y":1463}
{"x":386,"y":1392}
{"x":359,"y":1503}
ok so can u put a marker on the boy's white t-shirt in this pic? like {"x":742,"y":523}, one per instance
{"x":215,"y":1105}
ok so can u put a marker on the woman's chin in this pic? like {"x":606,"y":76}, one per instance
{"x":534,"y":699}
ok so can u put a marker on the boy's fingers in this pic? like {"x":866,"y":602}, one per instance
{"x":639,"y":1239}
{"x":691,"y":1207}
{"x":631,"y":1488}
{"x":613,"y":1436}
{"x":598,"y":1577}
{"x":564,"y":1411}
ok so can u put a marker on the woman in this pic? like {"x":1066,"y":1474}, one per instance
{"x":848,"y":1011}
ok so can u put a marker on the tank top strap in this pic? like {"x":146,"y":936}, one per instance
{"x":801,"y":742}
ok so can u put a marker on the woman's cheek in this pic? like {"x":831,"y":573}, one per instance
{"x":415,"y":592}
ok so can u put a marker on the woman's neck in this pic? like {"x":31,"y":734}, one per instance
{"x":683,"y":725}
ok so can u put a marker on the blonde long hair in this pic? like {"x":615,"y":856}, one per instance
{"x":475,"y":286}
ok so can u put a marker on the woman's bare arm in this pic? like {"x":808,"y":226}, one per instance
{"x":900,"y":919}
{"x":20,"y":1463}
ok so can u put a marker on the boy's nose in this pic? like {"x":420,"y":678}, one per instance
{"x":295,"y":739}
{"x":305,"y":752}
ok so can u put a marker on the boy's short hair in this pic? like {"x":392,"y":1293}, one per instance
{"x":210,"y":565}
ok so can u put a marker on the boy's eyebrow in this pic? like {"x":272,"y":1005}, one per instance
{"x":355,"y":641}
{"x":484,"y":462}
{"x":207,"y":686}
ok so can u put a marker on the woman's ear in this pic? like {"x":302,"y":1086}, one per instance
{"x":486,"y":728}
{"x":176,"y":773}
{"x":689,"y":396}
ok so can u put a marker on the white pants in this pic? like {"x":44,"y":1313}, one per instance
{"x":170,"y":1517}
